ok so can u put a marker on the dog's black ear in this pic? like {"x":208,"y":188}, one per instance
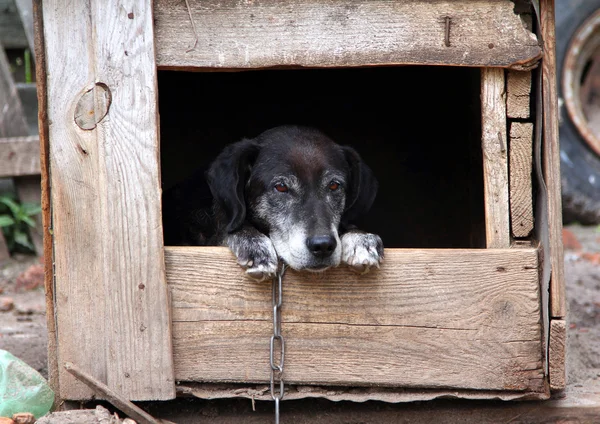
{"x":227,"y":177}
{"x":362,"y":187}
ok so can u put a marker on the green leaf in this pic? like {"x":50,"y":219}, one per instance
{"x":6,"y":221}
{"x":12,"y":205}
{"x":27,"y":220}
{"x":31,"y":209}
{"x":22,"y":239}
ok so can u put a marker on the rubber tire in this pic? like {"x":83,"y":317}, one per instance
{"x":580,"y":165}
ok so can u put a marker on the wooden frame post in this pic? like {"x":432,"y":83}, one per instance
{"x":100,"y":125}
{"x":495,"y":157}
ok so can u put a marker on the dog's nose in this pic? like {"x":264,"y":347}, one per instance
{"x":321,"y":246}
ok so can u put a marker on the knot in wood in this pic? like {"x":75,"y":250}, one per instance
{"x":93,"y":106}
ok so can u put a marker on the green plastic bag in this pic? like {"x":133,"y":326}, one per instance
{"x":22,"y":389}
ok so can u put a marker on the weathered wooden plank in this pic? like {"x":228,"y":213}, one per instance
{"x":269,"y":33}
{"x":111,"y":295}
{"x":12,"y":34}
{"x":556,"y":356}
{"x":12,"y":118}
{"x":495,"y":162}
{"x":19,"y":156}
{"x":551,"y":159}
{"x":518,"y":90}
{"x":418,"y":321}
{"x":25,"y":9}
{"x":521,"y":164}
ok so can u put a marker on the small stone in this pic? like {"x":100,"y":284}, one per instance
{"x":23,"y":418}
{"x":6,"y":304}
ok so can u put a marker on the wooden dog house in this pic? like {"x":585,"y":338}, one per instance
{"x":154,"y":321}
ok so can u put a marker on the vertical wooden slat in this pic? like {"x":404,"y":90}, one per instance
{"x":495,"y":152}
{"x":551,"y":159}
{"x":111,"y":293}
{"x":556,"y":356}
{"x":521,"y":164}
{"x":12,"y":118}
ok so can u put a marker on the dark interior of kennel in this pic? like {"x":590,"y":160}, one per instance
{"x":418,"y":128}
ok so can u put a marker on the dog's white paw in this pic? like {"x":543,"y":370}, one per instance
{"x":361,"y":251}
{"x":256,"y":255}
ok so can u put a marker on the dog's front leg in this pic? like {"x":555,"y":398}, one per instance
{"x":254,"y":251}
{"x":361,"y":250}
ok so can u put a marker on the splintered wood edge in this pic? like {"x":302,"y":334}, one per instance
{"x":211,"y":391}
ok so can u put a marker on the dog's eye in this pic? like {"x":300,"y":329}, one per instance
{"x":334,"y":185}
{"x":281,"y":187}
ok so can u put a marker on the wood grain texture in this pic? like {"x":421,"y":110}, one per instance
{"x":518,"y":94}
{"x":336,"y":33}
{"x":521,"y":168}
{"x":19,"y":156}
{"x":428,"y":318}
{"x":551,"y":159}
{"x":495,"y":158}
{"x":556,"y":356}
{"x":110,"y":289}
{"x":12,"y":118}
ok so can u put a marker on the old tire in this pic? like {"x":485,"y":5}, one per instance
{"x":580,"y":160}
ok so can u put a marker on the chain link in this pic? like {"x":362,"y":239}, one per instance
{"x":277,"y":366}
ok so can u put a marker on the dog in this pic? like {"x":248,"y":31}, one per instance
{"x":291,"y":193}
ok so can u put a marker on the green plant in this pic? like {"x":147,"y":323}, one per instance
{"x":15,"y":219}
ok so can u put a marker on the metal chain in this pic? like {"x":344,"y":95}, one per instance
{"x":277,"y":366}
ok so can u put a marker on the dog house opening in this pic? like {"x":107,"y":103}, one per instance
{"x":418,"y":128}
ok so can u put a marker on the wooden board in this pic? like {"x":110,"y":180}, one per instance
{"x":551,"y":159}
{"x":243,"y":35}
{"x":12,"y":118}
{"x":110,"y":290}
{"x":495,"y":157}
{"x":427,"y":318}
{"x":521,"y":164}
{"x":518,"y":91}
{"x":19,"y":156}
{"x":12,"y":34}
{"x":557,"y":351}
{"x":25,"y":9}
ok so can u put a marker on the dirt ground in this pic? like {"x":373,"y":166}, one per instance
{"x":23,"y":333}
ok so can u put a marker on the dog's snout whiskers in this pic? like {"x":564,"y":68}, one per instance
{"x":321,"y":246}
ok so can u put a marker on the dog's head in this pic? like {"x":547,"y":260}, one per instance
{"x":297,"y":186}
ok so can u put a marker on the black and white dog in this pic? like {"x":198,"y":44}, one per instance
{"x":291,"y":193}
